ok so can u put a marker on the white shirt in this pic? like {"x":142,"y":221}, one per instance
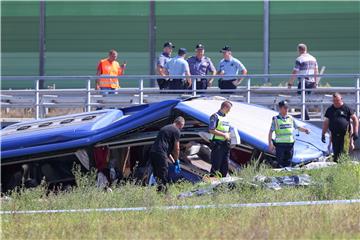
{"x":306,"y":64}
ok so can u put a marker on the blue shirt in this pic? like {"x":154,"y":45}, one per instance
{"x":163,"y":59}
{"x":231,"y":67}
{"x":214,"y":120}
{"x":177,"y":66}
{"x":200,"y":66}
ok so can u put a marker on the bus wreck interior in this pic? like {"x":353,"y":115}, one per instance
{"x":123,"y":157}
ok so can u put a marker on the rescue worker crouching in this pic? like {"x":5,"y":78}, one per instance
{"x":283,"y":145}
{"x":219,"y":127}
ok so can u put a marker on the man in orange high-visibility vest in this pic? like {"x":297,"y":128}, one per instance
{"x":109,"y":66}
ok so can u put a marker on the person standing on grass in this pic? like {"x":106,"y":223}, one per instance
{"x":219,"y":129}
{"x":337,"y":118}
{"x":201,"y":65}
{"x":180,"y":67}
{"x":109,"y":66}
{"x":230,"y":66}
{"x":305,"y":63}
{"x":283,"y":145}
{"x":164,"y":58}
{"x":165,"y":149}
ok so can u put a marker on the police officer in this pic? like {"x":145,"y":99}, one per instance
{"x":337,"y":119}
{"x":283,"y":125}
{"x":201,"y":65}
{"x":230,"y":66}
{"x":165,"y":149}
{"x":179,"y":66}
{"x":164,"y":57}
{"x":219,"y":128}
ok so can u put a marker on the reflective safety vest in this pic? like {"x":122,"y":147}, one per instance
{"x":109,"y":68}
{"x":222,"y":126}
{"x":284,"y":129}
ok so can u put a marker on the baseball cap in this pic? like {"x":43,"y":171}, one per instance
{"x":182,"y":51}
{"x":225,"y":48}
{"x":169,"y":44}
{"x":200,"y":46}
{"x":283,"y":103}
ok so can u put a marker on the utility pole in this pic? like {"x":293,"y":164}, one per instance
{"x":152,"y":41}
{"x":42,"y":43}
{"x":266,"y":35}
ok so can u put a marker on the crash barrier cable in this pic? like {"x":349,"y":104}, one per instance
{"x":186,"y":207}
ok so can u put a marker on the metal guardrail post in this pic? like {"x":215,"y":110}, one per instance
{"x":303,"y":100}
{"x":37,"y":99}
{"x":248,"y":90}
{"x":194,"y":87}
{"x":141,"y":91}
{"x":88,"y":96}
{"x":357,"y":97}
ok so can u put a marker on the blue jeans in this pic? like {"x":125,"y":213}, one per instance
{"x":106,"y":92}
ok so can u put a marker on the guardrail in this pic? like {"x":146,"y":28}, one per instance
{"x":140,"y":91}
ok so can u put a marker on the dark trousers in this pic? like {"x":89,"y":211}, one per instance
{"x":161,"y":169}
{"x":163,"y":83}
{"x":338,"y":141}
{"x":220,"y":153}
{"x":308,"y":85}
{"x":227,"y":84}
{"x":202,"y":84}
{"x":176,"y":84}
{"x":284,"y":153}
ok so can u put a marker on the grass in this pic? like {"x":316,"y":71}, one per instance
{"x":261,"y":223}
{"x":328,"y":221}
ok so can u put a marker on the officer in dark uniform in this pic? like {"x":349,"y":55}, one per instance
{"x":219,"y":128}
{"x":201,"y":65}
{"x":283,"y":125}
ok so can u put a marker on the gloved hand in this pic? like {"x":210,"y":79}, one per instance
{"x":177,"y":166}
{"x":323,"y":139}
{"x":355,"y":136}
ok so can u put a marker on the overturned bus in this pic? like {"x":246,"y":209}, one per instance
{"x":116,"y":142}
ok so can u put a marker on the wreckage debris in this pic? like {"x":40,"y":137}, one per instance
{"x":277,"y":183}
{"x":230,"y":183}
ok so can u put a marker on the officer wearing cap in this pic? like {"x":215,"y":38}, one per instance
{"x":283,"y":145}
{"x":164,"y":57}
{"x":230,"y":66}
{"x":201,"y":65}
{"x":180,"y":67}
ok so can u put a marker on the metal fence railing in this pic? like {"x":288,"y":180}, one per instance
{"x":140,"y":91}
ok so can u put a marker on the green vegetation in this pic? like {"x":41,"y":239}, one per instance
{"x":341,"y":181}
